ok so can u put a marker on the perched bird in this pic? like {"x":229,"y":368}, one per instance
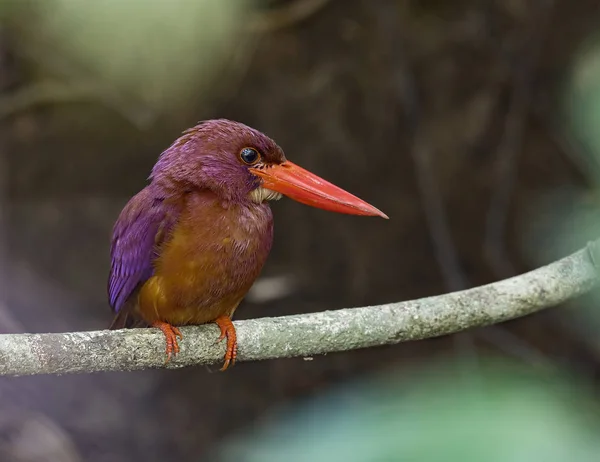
{"x":187,"y":248}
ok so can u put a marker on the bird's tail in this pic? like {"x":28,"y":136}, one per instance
{"x":121,"y":320}
{"x":125,"y":318}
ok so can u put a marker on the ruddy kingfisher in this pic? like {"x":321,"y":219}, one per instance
{"x":187,"y":248}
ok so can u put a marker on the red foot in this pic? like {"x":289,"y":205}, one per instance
{"x":171,"y":334}
{"x":228,"y":330}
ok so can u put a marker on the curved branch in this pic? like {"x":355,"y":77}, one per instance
{"x":307,"y":334}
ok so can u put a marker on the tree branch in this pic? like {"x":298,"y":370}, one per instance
{"x":307,"y":334}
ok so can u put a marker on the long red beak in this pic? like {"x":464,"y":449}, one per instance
{"x":299,"y":184}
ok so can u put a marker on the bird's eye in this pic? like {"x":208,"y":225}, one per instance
{"x":249,"y":156}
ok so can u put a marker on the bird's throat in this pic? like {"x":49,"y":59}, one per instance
{"x":260,"y":194}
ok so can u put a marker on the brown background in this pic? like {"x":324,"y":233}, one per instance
{"x":431,"y":110}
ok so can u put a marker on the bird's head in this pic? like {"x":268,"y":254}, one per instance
{"x":239,"y":163}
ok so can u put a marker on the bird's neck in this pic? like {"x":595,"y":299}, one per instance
{"x":248,"y":220}
{"x":169,"y":187}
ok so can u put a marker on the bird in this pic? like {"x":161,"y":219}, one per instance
{"x":187,"y":247}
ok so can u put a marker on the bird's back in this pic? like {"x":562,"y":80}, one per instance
{"x":206,"y":266}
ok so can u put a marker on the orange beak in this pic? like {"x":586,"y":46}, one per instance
{"x":307,"y":188}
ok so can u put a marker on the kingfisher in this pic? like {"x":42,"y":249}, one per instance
{"x":187,"y":248}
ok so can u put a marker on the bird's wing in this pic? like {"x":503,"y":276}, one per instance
{"x":142,"y":226}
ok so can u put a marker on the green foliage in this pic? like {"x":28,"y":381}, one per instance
{"x":505,"y":417}
{"x":159,"y":52}
{"x":582,"y":104}
{"x":567,"y":218}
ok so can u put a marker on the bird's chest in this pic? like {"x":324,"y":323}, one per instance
{"x":215,"y":253}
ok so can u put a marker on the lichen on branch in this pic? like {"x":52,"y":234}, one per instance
{"x":306,"y":334}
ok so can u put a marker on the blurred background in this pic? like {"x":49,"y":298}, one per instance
{"x":471,"y":123}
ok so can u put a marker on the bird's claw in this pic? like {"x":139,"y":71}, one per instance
{"x":227,"y":330}
{"x":171,"y":333}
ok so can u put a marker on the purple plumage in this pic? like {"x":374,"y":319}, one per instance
{"x":137,"y":235}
